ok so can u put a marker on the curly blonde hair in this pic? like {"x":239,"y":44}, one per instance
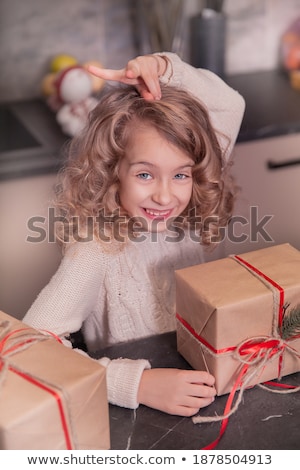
{"x":89,"y":181}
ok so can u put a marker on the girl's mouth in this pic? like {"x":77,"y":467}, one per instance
{"x":157,"y":214}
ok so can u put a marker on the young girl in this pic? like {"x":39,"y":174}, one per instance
{"x":144,"y":187}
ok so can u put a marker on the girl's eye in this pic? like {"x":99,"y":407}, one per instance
{"x":181,"y":176}
{"x":144,"y":176}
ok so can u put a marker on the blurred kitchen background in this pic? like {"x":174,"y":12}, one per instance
{"x":243,"y":42}
{"x":33,"y":31}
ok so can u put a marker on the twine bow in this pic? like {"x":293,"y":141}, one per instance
{"x":16,"y":341}
{"x":13,"y":342}
{"x":253,"y":353}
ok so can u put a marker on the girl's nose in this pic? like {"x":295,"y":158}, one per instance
{"x":162,"y":194}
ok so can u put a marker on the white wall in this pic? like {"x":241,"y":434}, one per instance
{"x":25,"y":267}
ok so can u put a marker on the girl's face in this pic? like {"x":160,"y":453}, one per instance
{"x":155,"y":180}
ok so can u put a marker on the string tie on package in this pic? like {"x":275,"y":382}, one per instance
{"x":13,"y":342}
{"x":253,"y":354}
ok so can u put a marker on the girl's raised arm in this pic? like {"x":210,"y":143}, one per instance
{"x":225,"y":105}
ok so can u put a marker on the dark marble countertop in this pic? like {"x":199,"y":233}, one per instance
{"x":272,"y":105}
{"x":31,"y":141}
{"x":264,"y":420}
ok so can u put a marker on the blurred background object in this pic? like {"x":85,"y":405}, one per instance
{"x":69,"y":91}
{"x":290,"y":52}
{"x":160,"y":26}
{"x":207,"y":38}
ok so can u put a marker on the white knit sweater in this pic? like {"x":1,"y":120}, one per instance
{"x":130,"y":293}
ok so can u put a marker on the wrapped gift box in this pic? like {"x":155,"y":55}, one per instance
{"x":51,"y":397}
{"x":231,"y":315}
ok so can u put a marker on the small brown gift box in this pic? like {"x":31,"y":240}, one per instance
{"x":231,"y":312}
{"x":51,"y":397}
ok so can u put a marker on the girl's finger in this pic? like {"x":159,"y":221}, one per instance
{"x":143,"y":78}
{"x":144,"y":92}
{"x":113,"y":75}
{"x":106,"y":74}
{"x":132,"y":69}
{"x":145,"y":69}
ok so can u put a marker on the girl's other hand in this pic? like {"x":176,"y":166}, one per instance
{"x":143,"y":72}
{"x":175,"y":391}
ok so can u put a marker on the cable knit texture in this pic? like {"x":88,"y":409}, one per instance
{"x":117,"y":297}
{"x":128,"y":294}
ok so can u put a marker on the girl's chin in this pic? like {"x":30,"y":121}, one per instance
{"x":157,"y":226}
{"x":153,"y":226}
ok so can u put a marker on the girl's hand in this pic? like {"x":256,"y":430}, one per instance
{"x":175,"y":391}
{"x":143,"y":72}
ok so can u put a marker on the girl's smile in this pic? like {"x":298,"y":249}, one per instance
{"x":155,"y":214}
{"x":155,"y":179}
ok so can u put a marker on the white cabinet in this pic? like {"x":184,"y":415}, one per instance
{"x":25,"y":267}
{"x":267,"y":210}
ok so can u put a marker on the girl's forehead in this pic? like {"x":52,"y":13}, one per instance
{"x":140,"y":136}
{"x":145,"y":137}
{"x":147,"y":145}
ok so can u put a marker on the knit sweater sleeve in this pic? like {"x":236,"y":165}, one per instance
{"x":64,"y":304}
{"x":123,"y":379}
{"x":225,"y":105}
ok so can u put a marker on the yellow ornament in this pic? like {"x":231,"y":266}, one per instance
{"x":62,"y":61}
{"x":47,"y":85}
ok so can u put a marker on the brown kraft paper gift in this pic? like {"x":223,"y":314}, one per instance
{"x":51,"y":397}
{"x":228,"y":308}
